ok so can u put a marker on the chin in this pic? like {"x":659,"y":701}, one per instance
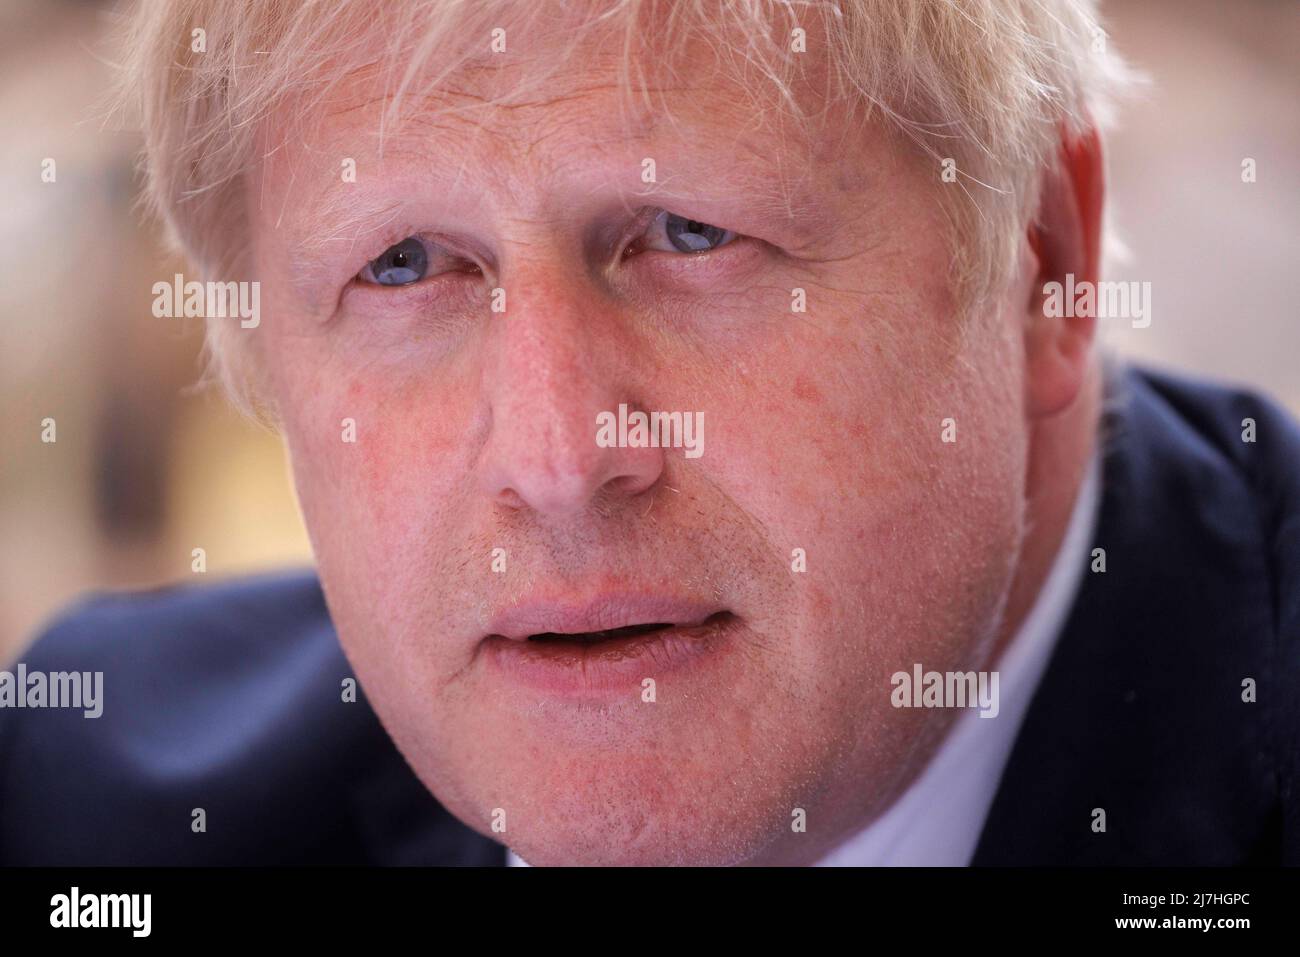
{"x":668,"y":838}
{"x":604,"y":813}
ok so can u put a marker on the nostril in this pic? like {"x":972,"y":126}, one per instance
{"x":628,"y":485}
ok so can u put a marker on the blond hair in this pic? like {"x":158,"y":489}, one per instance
{"x":991,"y":85}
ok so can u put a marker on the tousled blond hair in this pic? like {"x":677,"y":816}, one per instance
{"x":991,"y":84}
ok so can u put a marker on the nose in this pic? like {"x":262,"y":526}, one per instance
{"x":554,"y":360}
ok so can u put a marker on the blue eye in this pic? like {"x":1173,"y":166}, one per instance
{"x":689,"y":236}
{"x":399,"y":265}
{"x":672,"y":233}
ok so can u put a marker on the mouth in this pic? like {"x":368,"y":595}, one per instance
{"x":605,"y":645}
{"x":626,"y":631}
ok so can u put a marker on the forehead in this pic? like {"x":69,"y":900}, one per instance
{"x":547,"y":102}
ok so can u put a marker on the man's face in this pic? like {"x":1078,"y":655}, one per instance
{"x":825,"y":538}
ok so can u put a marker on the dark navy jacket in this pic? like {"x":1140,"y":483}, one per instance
{"x":227,"y":697}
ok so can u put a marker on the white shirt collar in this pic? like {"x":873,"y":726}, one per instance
{"x":938,"y":820}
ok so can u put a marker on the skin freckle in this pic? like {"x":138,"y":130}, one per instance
{"x":804,"y":389}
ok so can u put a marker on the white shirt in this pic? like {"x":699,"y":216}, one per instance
{"x":938,"y":819}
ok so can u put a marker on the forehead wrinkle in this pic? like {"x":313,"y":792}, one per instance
{"x":333,"y":210}
{"x":337,"y":217}
{"x":761,"y":172}
{"x":481,"y":118}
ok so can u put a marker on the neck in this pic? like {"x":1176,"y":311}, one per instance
{"x":1059,"y":451}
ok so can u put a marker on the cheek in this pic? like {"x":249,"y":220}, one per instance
{"x":825,"y":439}
{"x":378,"y":474}
{"x":840,"y":451}
{"x":388,"y":516}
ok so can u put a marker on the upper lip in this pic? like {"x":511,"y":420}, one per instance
{"x":598,"y":612}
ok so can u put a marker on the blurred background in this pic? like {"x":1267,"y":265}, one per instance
{"x":145,"y":468}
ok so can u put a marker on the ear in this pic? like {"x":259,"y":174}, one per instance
{"x":1063,"y":239}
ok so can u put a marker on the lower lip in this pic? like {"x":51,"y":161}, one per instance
{"x":616,"y":665}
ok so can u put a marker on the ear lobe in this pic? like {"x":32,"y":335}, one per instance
{"x":1063,"y":246}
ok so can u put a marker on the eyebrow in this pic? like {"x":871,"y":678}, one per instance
{"x":752,"y":173}
{"x":342,"y":218}
{"x":342,"y":221}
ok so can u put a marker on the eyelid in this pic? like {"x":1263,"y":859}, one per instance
{"x":635,"y":229}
